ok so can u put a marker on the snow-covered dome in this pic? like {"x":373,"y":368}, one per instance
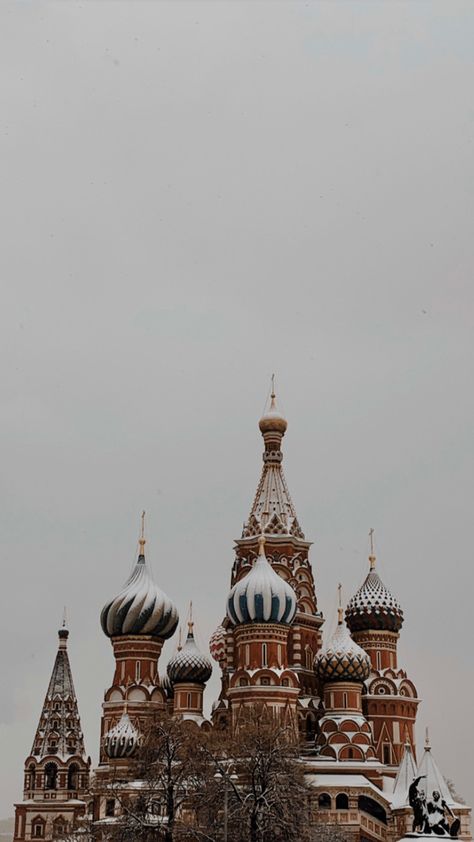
{"x":166,"y":685}
{"x":273,"y":421}
{"x":188,"y":663}
{"x":217,"y":644}
{"x":262,"y":596}
{"x":122,"y":739}
{"x":141,"y":607}
{"x":373,"y":606}
{"x":342,"y":659}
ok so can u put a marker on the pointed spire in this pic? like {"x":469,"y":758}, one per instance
{"x":60,"y":710}
{"x":180,"y":645}
{"x":190,"y":621}
{"x":405,"y":777}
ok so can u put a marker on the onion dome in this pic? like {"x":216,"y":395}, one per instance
{"x":262,"y":596}
{"x":166,"y":685}
{"x":273,"y":421}
{"x":217,"y":644}
{"x":342,"y":659}
{"x":373,"y":607}
{"x":141,"y":607}
{"x":122,"y":739}
{"x":188,"y":663}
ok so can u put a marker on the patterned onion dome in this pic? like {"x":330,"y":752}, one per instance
{"x":262,"y":596}
{"x":342,"y":659}
{"x":217,"y":644}
{"x":122,"y":739}
{"x":373,"y":606}
{"x":188,"y":663}
{"x":273,"y":421}
{"x":141,"y":607}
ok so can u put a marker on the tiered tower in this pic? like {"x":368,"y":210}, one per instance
{"x":390,"y":699}
{"x":261,"y":607}
{"x":57,"y":770}
{"x":137,"y":621}
{"x":342,"y":667}
{"x":273,"y":515}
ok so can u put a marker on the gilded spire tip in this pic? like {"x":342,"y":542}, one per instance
{"x":190,"y":621}
{"x":142,"y":540}
{"x":372,"y":558}
{"x":340,"y":610}
{"x":427,"y":739}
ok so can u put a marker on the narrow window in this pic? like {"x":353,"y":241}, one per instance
{"x":387,"y":754}
{"x":110,"y":807}
{"x":138,"y":671}
{"x":378,"y":659}
{"x":264,"y":655}
{"x":344,"y":700}
{"x":190,"y":700}
{"x":247,"y":655}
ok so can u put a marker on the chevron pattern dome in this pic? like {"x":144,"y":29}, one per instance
{"x":342,"y":659}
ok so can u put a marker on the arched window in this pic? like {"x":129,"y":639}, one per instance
{"x":50,"y":776}
{"x":324,"y":801}
{"x":72,"y":776}
{"x":373,"y":808}
{"x":59,"y":827}
{"x":308,"y":654}
{"x":37,"y":827}
{"x":31,"y":772}
{"x":342,"y":801}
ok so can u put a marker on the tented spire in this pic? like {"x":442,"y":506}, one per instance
{"x":405,"y":777}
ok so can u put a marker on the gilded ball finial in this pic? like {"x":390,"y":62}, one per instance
{"x":272,"y":421}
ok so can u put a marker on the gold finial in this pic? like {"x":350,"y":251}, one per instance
{"x":141,"y":540}
{"x":372,"y":555}
{"x":261,"y":544}
{"x":427,"y":739}
{"x":273,"y":388}
{"x":180,"y":645}
{"x":64,"y":618}
{"x":190,"y":621}
{"x":339,"y":609}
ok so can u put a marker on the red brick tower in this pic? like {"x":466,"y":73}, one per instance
{"x":261,"y":607}
{"x":57,"y":771}
{"x":137,"y":621}
{"x":390,"y":699}
{"x":342,"y":667}
{"x":273,"y":515}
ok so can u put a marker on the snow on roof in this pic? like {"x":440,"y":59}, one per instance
{"x":327,"y":781}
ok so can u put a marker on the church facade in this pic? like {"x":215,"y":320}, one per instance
{"x":349,"y":703}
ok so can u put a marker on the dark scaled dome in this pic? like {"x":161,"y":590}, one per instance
{"x":141,"y":607}
{"x":189,"y":664}
{"x":373,"y":607}
{"x":342,"y":659}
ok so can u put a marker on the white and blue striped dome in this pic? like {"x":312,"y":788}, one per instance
{"x":262,"y":596}
{"x":141,"y":607}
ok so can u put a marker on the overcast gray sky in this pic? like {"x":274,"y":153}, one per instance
{"x":194,"y":195}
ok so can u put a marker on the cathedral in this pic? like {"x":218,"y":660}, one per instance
{"x":348,"y":702}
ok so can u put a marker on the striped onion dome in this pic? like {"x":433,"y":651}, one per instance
{"x":373,"y":607}
{"x":217,"y":644}
{"x":342,"y":659}
{"x":141,"y":607}
{"x":122,"y":739}
{"x":262,"y":596}
{"x":188,"y":663}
